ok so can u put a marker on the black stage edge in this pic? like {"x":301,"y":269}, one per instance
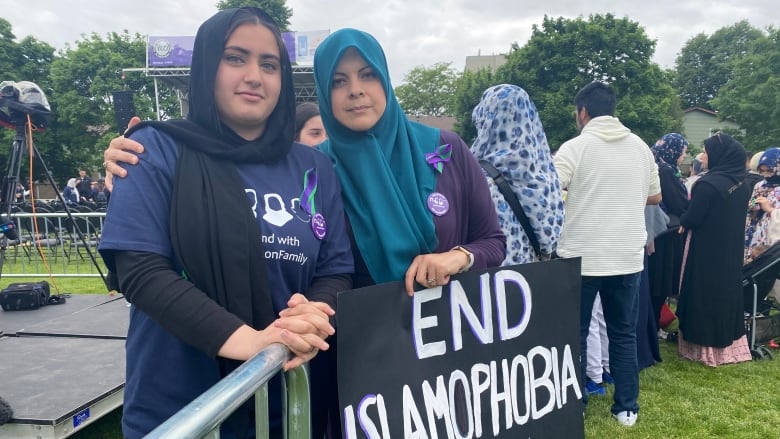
{"x":62,"y":366}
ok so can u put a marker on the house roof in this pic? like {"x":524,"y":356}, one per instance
{"x":441,"y":122}
{"x":703,"y":110}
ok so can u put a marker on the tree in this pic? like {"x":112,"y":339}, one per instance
{"x":751,"y":98}
{"x":469,"y":89}
{"x":27,"y":60}
{"x":277,"y":9}
{"x":563,"y":55}
{"x":428,"y":91}
{"x":705,"y":63}
{"x":9,"y":50}
{"x":83,"y":79}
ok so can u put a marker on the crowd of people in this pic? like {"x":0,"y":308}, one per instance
{"x":643,"y":232}
{"x":83,"y":190}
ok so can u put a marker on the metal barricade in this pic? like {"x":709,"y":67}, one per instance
{"x":65,"y":244}
{"x":202,"y":417}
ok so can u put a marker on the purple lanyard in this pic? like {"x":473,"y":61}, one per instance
{"x":309,"y":190}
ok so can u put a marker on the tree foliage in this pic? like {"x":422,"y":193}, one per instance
{"x":26,"y":60}
{"x":277,"y":9}
{"x":705,"y":63}
{"x":751,"y":98}
{"x":84,"y":78}
{"x":563,"y":55}
{"x":468,"y":92}
{"x":428,"y":91}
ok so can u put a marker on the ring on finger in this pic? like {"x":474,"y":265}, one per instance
{"x":105,"y":164}
{"x":431,"y":281}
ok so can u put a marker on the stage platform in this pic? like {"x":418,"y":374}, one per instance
{"x":62,"y":366}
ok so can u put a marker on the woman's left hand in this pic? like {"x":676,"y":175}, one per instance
{"x":765,"y":204}
{"x":434,"y":269}
{"x":305,"y":327}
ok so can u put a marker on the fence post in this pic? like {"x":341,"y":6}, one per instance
{"x":298,"y":403}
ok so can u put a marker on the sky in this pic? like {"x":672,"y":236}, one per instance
{"x":412,"y":32}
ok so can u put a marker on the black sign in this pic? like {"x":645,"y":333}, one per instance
{"x":495,"y":353}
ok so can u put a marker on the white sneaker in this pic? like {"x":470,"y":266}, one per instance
{"x":627,"y":419}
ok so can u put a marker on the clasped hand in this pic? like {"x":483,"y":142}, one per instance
{"x":303,"y":328}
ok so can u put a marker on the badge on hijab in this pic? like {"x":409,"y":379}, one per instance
{"x":439,"y":157}
{"x":438,"y":204}
{"x":318,"y":225}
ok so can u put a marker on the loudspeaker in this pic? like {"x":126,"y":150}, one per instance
{"x":124,"y":109}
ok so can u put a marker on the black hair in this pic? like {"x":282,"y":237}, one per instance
{"x":303,"y":112}
{"x":597,"y":98}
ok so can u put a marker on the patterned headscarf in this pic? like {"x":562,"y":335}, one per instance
{"x":757,"y":228}
{"x":771,"y":159}
{"x":668,"y":149}
{"x":510,"y":136}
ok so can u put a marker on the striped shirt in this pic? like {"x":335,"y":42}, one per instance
{"x":609,"y":173}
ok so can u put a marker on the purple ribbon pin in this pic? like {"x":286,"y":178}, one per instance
{"x":439,"y":157}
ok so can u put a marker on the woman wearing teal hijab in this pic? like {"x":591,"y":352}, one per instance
{"x":416,"y":199}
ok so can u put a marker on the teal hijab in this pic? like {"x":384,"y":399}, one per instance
{"x":384,"y":175}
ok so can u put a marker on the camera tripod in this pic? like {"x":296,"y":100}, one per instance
{"x":8,"y":193}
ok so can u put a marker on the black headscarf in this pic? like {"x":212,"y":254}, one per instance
{"x":726,"y":161}
{"x":213,"y":230}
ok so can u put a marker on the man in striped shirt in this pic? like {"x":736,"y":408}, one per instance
{"x":610,"y":175}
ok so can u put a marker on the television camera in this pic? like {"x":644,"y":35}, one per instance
{"x":21,"y":99}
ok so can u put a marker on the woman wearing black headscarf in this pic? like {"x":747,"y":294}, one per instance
{"x":712,"y":328}
{"x":663,"y":265}
{"x":220,"y":226}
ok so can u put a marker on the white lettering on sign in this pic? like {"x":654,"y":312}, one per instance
{"x":367,"y":425}
{"x":527,"y":387}
{"x":425,"y":350}
{"x":480,"y":321}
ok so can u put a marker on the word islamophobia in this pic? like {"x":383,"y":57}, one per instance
{"x":514,"y":389}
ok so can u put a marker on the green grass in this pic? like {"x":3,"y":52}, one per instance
{"x":83,"y":276}
{"x":684,"y":399}
{"x":73,"y":285}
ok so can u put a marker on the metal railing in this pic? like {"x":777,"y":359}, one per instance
{"x":65,"y":244}
{"x":202,"y":417}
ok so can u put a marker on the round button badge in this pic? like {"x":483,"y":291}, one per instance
{"x":438,"y":204}
{"x":318,"y":226}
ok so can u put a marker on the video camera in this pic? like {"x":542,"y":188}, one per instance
{"x":20,"y":99}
